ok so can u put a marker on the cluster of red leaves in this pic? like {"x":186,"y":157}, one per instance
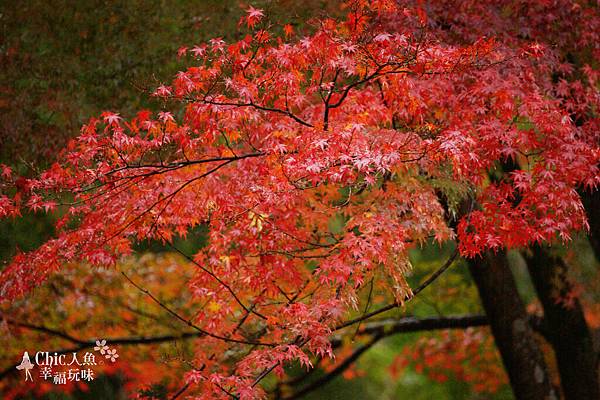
{"x":467,"y":356}
{"x":358,"y":121}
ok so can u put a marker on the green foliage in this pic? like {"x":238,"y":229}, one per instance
{"x":26,"y":233}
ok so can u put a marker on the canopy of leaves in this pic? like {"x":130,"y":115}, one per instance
{"x":318,"y":162}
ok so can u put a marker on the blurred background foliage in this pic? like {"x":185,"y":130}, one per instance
{"x":62,"y":62}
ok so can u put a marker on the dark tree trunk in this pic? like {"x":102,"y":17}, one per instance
{"x":521,"y":354}
{"x":591,"y":201}
{"x":567,"y":330}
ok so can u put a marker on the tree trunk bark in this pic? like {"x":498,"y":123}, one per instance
{"x":568,"y":331}
{"x":521,"y":354}
{"x":591,"y":202}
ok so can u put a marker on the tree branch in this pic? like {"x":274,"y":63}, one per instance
{"x":408,"y":297}
{"x":189,"y":322}
{"x":337,"y":370}
{"x":384,"y":328}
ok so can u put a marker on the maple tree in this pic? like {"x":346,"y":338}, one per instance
{"x":318,"y":162}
